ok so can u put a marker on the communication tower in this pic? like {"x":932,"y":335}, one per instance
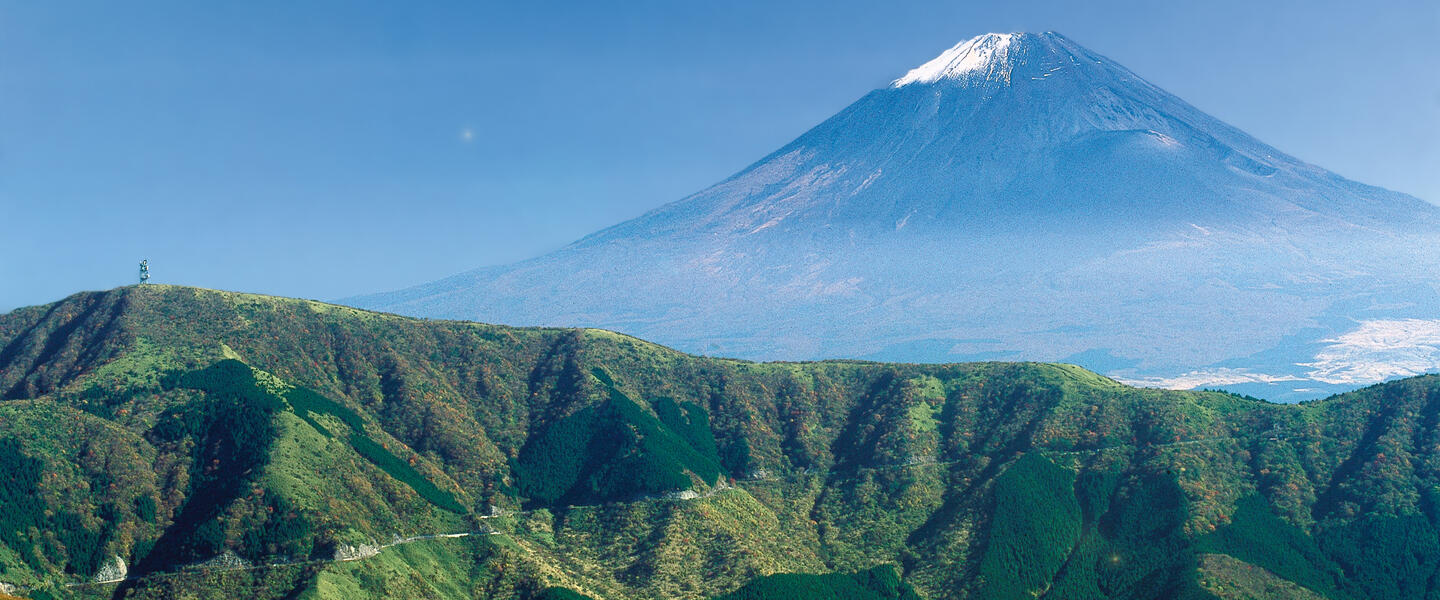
{"x":144,"y":271}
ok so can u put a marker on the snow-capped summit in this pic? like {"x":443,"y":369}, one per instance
{"x":984,"y":56}
{"x":1017,"y":197}
{"x":1003,"y":58}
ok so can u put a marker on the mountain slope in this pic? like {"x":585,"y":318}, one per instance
{"x":1020,"y":196}
{"x":221,"y":444}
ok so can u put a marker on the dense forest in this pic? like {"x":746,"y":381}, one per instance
{"x":162,"y":441}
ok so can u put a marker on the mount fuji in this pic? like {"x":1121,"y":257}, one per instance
{"x":1019,"y":197}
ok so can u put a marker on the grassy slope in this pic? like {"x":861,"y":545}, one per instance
{"x":837,"y":466}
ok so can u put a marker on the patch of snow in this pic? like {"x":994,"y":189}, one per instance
{"x":1164,"y":139}
{"x":979,"y":55}
{"x":901,"y":223}
{"x":868,"y":180}
{"x":768,"y":224}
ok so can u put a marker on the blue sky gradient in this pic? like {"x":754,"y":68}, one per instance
{"x":324,"y":149}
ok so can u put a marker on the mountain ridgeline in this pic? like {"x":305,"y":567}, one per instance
{"x":1018,"y":197}
{"x":164,"y":441}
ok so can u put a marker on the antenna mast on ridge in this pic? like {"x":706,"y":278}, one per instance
{"x":144,"y":271}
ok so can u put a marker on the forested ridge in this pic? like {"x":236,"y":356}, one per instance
{"x":169,"y":426}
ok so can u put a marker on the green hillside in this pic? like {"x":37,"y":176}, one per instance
{"x":224,"y":445}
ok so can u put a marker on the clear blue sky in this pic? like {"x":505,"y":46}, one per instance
{"x":319,"y":149}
